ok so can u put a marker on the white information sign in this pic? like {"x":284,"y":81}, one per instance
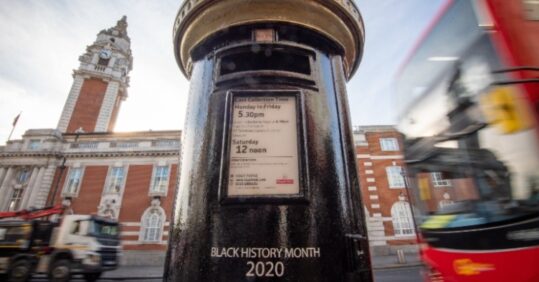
{"x":263,"y":147}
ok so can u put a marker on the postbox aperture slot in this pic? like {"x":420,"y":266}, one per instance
{"x":265,"y":59}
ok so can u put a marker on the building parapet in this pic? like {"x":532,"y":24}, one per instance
{"x":373,"y":128}
{"x":38,"y":143}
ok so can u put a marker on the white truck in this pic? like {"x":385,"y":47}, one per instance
{"x":76,"y":244}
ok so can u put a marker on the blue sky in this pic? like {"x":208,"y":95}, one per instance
{"x":392,"y":29}
{"x":42,"y":40}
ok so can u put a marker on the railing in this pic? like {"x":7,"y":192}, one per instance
{"x":129,"y":144}
{"x":165,"y":143}
{"x":85,"y":145}
{"x":100,"y":68}
{"x":106,"y":145}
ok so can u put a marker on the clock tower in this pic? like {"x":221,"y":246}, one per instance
{"x":100,"y":83}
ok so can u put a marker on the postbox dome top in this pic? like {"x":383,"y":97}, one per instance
{"x":338,"y":20}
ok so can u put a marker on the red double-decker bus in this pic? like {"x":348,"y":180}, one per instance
{"x":468,"y":104}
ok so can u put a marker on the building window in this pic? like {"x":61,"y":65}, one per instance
{"x":160,"y":179}
{"x":23,"y":176}
{"x":103,"y":62}
{"x":73,"y":181}
{"x":116,"y":180}
{"x":15,"y":200}
{"x":34,"y":144}
{"x":389,"y":144}
{"x":438,"y":180}
{"x":401,"y":215}
{"x":394,"y":177}
{"x":152,"y":225}
{"x":360,"y":139}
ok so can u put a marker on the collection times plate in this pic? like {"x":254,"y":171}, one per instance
{"x":263,"y":147}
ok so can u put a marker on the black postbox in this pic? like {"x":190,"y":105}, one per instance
{"x":268,"y":187}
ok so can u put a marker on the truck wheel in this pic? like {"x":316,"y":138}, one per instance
{"x":91,"y":277}
{"x":20,"y":271}
{"x":60,"y":271}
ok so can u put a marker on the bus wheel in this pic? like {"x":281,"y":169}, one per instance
{"x":20,"y":271}
{"x":91,"y":277}
{"x":60,"y":271}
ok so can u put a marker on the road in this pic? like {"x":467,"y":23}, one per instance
{"x":403,"y":274}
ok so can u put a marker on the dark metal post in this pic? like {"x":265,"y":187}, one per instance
{"x":268,"y":187}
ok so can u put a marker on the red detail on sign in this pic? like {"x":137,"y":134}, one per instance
{"x":285,"y":181}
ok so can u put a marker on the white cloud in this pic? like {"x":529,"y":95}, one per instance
{"x":41,"y":43}
{"x":42,"y":40}
{"x":16,"y":99}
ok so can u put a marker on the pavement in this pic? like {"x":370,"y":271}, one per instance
{"x":392,"y":261}
{"x":145,"y":273}
{"x":135,"y":272}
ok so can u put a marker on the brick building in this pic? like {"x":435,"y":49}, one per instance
{"x":383,"y":188}
{"x":90,"y":168}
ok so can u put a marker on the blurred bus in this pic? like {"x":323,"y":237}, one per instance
{"x":468,"y":102}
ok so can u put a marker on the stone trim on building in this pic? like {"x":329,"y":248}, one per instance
{"x":107,"y":108}
{"x":69,"y":106}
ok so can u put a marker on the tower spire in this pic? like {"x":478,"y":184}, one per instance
{"x":119,"y":30}
{"x":100,"y":83}
{"x":122,"y":24}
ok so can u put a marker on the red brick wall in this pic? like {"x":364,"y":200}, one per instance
{"x":90,"y":190}
{"x":88,"y":105}
{"x":386,"y":196}
{"x":136,"y":201}
{"x":460,"y":189}
{"x":373,"y":138}
{"x":142,"y":247}
{"x":362,"y":150}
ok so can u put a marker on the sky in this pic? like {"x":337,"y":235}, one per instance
{"x":43,"y":39}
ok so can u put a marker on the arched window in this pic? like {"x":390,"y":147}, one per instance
{"x":152,"y":225}
{"x":403,"y":223}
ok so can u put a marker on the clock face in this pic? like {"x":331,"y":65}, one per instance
{"x":105,"y":54}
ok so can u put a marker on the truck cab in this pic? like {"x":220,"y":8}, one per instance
{"x":88,"y":244}
{"x":78,"y":244}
